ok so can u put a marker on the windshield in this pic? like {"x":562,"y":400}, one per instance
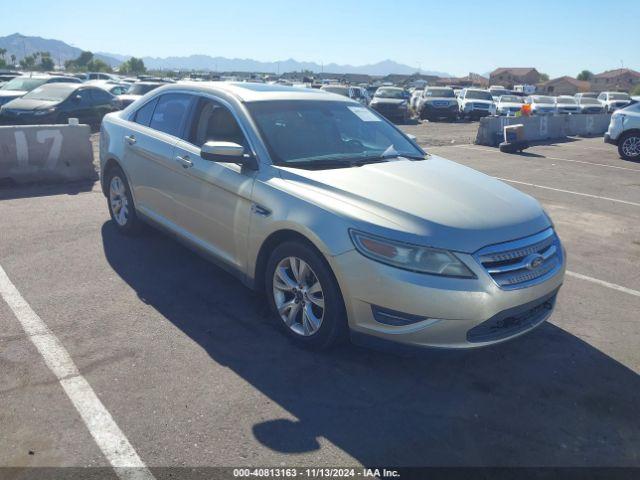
{"x":543,"y":100}
{"x":589,"y":101}
{"x":51,"y":92}
{"x":141,"y":88}
{"x":389,"y":93}
{"x":25,"y":84}
{"x":618,"y":96}
{"x":478,"y":95}
{"x":440,"y":92}
{"x":510,"y":99}
{"x":344,"y":91}
{"x":303,"y":132}
{"x":567,"y":100}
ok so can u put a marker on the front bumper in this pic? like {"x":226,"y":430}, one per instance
{"x":391,"y":111}
{"x":456,"y":313}
{"x":436,"y":111}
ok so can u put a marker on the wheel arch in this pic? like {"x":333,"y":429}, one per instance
{"x":272,"y":241}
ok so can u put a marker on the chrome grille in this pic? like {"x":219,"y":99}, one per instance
{"x":522,"y":263}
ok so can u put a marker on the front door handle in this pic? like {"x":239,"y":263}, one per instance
{"x":184,"y":161}
{"x":131,"y":139}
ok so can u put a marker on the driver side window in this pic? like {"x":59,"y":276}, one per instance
{"x":214,"y":122}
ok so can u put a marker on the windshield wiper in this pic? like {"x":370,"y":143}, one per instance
{"x":319,"y":164}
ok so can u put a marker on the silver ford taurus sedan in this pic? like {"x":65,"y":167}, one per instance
{"x":344,"y":222}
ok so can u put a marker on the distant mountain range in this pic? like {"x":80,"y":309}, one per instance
{"x":19,"y":45}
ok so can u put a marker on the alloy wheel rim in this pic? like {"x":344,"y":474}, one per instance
{"x":631,"y":146}
{"x":118,"y":200}
{"x":298,"y":296}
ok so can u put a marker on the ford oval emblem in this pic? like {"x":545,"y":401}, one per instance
{"x":534,"y":261}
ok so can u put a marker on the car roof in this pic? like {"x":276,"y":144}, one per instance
{"x":257,"y":92}
{"x":64,"y":86}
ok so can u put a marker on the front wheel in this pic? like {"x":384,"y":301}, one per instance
{"x":120,"y":202}
{"x":304,"y":296}
{"x":629,"y":146}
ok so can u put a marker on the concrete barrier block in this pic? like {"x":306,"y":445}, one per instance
{"x":46,"y":153}
{"x":541,"y":128}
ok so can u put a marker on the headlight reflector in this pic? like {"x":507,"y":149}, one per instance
{"x":415,"y":258}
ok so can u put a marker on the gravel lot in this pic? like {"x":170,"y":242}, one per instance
{"x":192,"y":371}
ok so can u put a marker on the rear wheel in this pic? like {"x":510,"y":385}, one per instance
{"x":304,"y":296}
{"x":629,"y":146}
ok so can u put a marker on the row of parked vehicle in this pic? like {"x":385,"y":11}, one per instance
{"x":435,"y":103}
{"x":45,"y":98}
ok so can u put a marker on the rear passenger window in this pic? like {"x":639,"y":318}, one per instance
{"x":143,"y":115}
{"x":170,"y":113}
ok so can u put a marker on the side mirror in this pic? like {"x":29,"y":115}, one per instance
{"x":77,"y":98}
{"x":227,"y":152}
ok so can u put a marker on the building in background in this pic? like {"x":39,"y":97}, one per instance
{"x":563,"y":86}
{"x":508,"y":77}
{"x":620,"y":79}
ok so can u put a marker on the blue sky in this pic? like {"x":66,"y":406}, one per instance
{"x":558,"y":37}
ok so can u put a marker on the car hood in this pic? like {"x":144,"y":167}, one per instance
{"x":440,"y":99}
{"x":509,"y":104}
{"x":483,"y":102}
{"x":390,"y":101}
{"x":30,"y":104}
{"x":434,"y":202}
{"x":12,"y":93}
{"x":128,"y":98}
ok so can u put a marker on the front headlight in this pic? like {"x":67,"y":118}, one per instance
{"x":39,"y":113}
{"x":410,"y":257}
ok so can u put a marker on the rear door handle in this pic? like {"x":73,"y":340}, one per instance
{"x":184,"y":161}
{"x":131,"y":139}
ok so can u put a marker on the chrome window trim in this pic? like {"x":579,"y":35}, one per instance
{"x":196,"y":93}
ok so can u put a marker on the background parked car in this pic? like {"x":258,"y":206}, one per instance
{"x":580,"y":95}
{"x":20,"y":86}
{"x":497,"y":91}
{"x":392,"y":103}
{"x":135,"y":91}
{"x":541,"y":104}
{"x":624,"y":132}
{"x":589,"y":105}
{"x":509,"y":105}
{"x":475,"y":103}
{"x":55,"y":103}
{"x":113,"y":87}
{"x":566,"y":104}
{"x":436,"y":103}
{"x":96,"y":76}
{"x":612,"y":101}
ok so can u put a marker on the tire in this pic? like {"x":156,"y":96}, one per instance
{"x":284,"y":293}
{"x":629,"y":146}
{"x":119,"y":194}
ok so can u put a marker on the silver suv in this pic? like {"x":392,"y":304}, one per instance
{"x":624,"y":132}
{"x":345,"y":223}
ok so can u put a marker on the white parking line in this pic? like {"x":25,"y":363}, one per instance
{"x":616,"y":167}
{"x":620,"y":288}
{"x":113,"y":443}
{"x":626,"y":202}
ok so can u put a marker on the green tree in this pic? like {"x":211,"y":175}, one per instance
{"x":81,"y":63}
{"x":585,"y":76}
{"x":3,"y":52}
{"x":133,"y":66}
{"x":636,"y":90}
{"x":46,"y":62}
{"x":13,"y":60}
{"x":544,"y":77}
